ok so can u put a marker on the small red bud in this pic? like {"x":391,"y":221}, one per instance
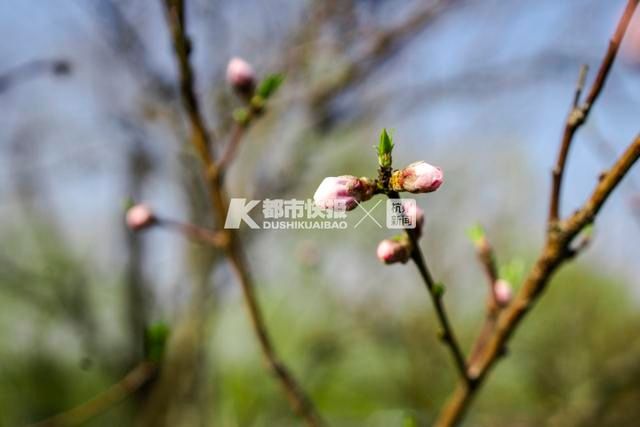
{"x":139,"y":217}
{"x":240,"y":75}
{"x":503,"y":292}
{"x":392,"y":251}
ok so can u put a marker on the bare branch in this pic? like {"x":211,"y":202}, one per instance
{"x":201,"y":140}
{"x":487,"y":259}
{"x":579,"y":113}
{"x":129,"y":384}
{"x":447,"y":334}
{"x":555,"y":252}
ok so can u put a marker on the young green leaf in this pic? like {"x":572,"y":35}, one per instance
{"x":385,"y":147}
{"x":476,"y":233}
{"x":386,"y":143}
{"x":156,"y":336}
{"x":513,"y":271}
{"x":438,"y":289}
{"x":269,"y":85}
{"x":241,"y":116}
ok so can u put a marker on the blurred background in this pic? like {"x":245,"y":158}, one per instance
{"x":90,"y":117}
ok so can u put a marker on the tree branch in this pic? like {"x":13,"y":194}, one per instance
{"x":579,"y":113}
{"x":133,"y":381}
{"x":201,"y":141}
{"x":447,"y":336}
{"x":555,"y":252}
{"x":487,"y":259}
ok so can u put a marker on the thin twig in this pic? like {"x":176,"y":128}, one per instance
{"x":579,"y":113}
{"x":133,"y":381}
{"x":447,"y":335}
{"x":31,"y":69}
{"x":199,"y":234}
{"x":231,"y":148}
{"x":298,"y":400}
{"x":487,"y":259}
{"x":582,"y":79}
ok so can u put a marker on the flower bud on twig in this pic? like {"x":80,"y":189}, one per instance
{"x":139,"y":217}
{"x":503,"y":292}
{"x":240,"y":76}
{"x":394,"y":250}
{"x":418,"y":177}
{"x":344,"y":191}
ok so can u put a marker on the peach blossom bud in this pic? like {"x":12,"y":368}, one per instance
{"x":418,"y":177}
{"x":503,"y":292}
{"x":391,"y":251}
{"x":139,"y":217}
{"x":344,"y":191}
{"x":240,"y":75}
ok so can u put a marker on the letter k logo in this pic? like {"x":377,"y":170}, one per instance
{"x":239,"y":211}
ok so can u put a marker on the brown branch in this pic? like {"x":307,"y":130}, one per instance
{"x":133,"y":381}
{"x":193,"y":232}
{"x":579,"y":113}
{"x":201,"y":140}
{"x":200,"y":136}
{"x":231,"y":148}
{"x":560,"y":236}
{"x":556,"y":251}
{"x":602,"y":148}
{"x":447,"y":336}
{"x":487,"y":259}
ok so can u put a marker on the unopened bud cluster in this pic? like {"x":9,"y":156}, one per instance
{"x":348,"y":192}
{"x":242,"y":79}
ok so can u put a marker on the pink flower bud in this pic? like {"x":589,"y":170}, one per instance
{"x":240,"y":75}
{"x":139,"y":217}
{"x":343,"y":192}
{"x":391,"y":251}
{"x":503,"y":292}
{"x":418,"y":177}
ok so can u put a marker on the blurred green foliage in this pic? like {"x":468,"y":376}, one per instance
{"x":573,"y":363}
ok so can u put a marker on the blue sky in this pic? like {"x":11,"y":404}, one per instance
{"x":493,"y":77}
